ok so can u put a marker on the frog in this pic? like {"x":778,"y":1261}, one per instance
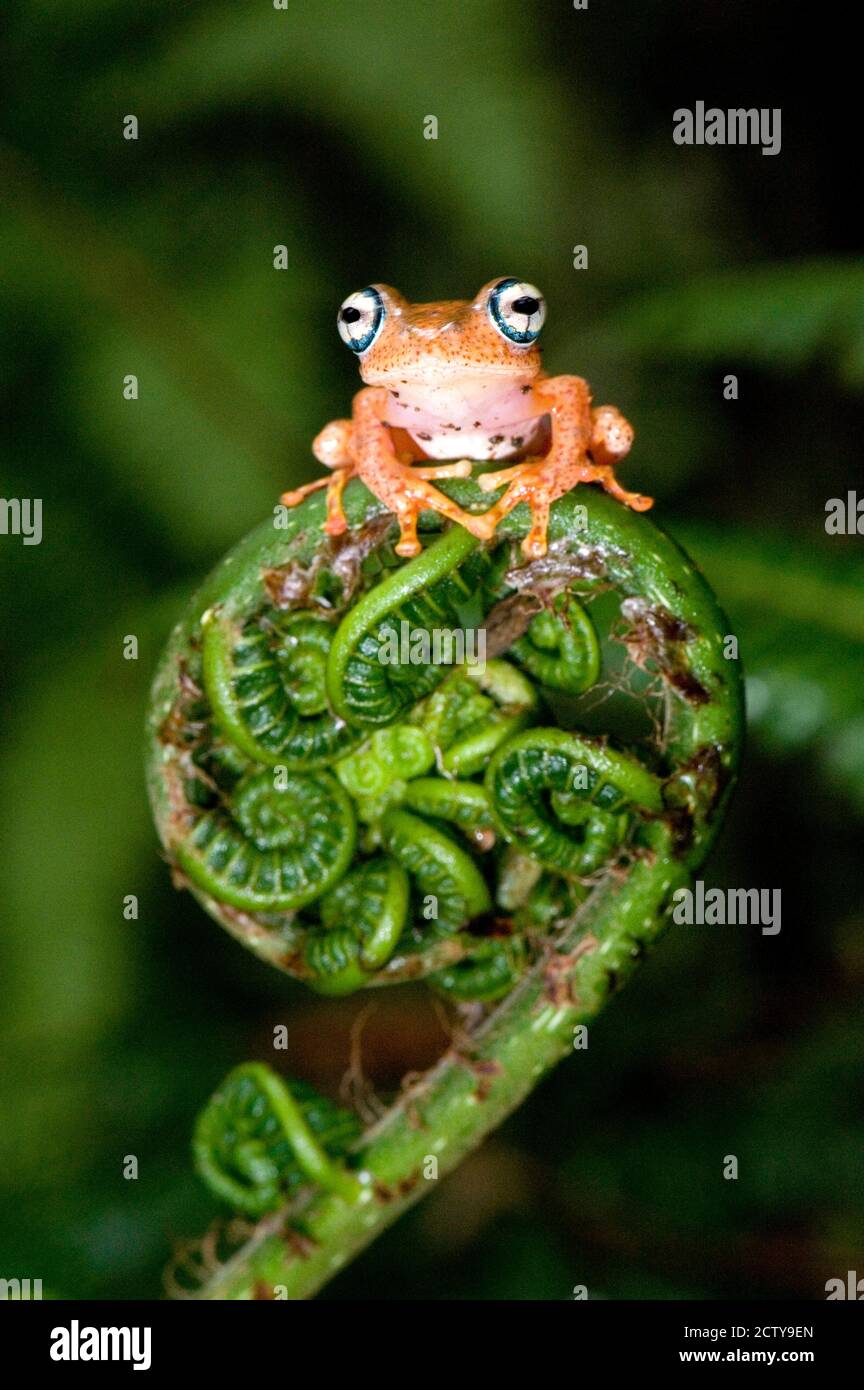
{"x":456,"y":383}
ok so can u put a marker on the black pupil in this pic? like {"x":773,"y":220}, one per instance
{"x":351,"y":315}
{"x":526,"y":304}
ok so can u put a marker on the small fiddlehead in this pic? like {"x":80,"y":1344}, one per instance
{"x":463,"y":803}
{"x":377,"y":774}
{"x":487,"y":974}
{"x":271,"y":847}
{"x":474,"y":711}
{"x":385,"y":655}
{"x":560,"y":648}
{"x":442,"y":870}
{"x":266,"y":685}
{"x":259,"y":1139}
{"x":362,"y":919}
{"x":359,"y":809}
{"x":562,"y":799}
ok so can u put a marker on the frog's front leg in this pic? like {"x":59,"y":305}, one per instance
{"x":584,"y":447}
{"x":405,"y":490}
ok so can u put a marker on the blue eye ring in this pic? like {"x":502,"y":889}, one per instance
{"x":360,"y":318}
{"x":518,"y":310}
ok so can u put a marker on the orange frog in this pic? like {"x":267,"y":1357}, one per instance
{"x":462,"y":380}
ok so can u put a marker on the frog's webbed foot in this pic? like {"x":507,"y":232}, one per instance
{"x":335,"y":485}
{"x":296,"y":495}
{"x":540,"y":483}
{"x":490,"y":482}
{"x":525,"y":482}
{"x":407,"y":493}
{"x":606,"y":477}
{"x":585,"y":445}
{"x":405,"y":489}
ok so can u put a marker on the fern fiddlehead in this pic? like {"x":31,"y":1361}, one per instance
{"x":266,"y":687}
{"x":491,"y":972}
{"x":383,"y":658}
{"x":442,"y":869}
{"x":359,"y":810}
{"x":588,"y":788}
{"x":362,"y":919}
{"x":276,"y":848}
{"x":560,"y":647}
{"x":474,"y":711}
{"x":259,"y":1139}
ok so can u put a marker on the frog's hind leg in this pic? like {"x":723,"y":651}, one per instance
{"x":336,"y":524}
{"x":611,"y":436}
{"x":332,"y":445}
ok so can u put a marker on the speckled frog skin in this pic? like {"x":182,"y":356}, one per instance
{"x":462,"y":380}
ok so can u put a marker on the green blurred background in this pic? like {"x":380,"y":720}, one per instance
{"x":304,"y":128}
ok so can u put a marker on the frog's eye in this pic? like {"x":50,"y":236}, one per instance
{"x":518,"y":310}
{"x":360,"y":319}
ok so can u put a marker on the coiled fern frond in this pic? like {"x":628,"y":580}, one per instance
{"x":260,"y":1138}
{"x":360,"y":800}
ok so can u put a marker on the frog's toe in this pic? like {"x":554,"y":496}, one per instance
{"x":462,"y":469}
{"x":634,"y":500}
{"x":490,"y":482}
{"x":297,"y":494}
{"x":638,"y":503}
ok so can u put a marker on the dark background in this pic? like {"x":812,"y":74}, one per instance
{"x":155,"y":257}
